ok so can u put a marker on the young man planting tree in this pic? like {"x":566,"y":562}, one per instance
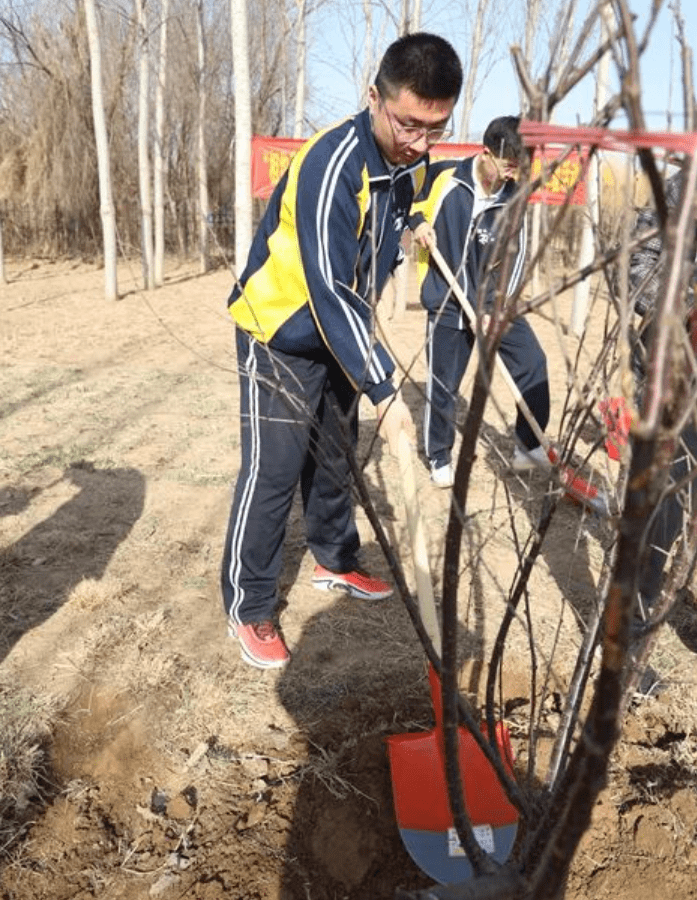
{"x":306,"y":349}
{"x":461,"y":208}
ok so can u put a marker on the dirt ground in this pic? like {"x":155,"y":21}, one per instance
{"x":157,"y":764}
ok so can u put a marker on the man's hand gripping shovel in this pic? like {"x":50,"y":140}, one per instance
{"x":417,"y":761}
{"x":575,"y":487}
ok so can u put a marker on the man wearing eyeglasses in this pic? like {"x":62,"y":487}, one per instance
{"x":396,"y":127}
{"x":461,"y":208}
{"x":306,"y":346}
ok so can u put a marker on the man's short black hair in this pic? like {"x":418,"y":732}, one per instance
{"x":425,"y":64}
{"x":502,"y":138}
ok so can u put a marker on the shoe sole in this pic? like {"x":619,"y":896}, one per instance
{"x":252,"y":660}
{"x":336,"y":584}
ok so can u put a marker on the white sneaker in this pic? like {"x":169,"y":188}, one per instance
{"x":443,"y":476}
{"x":525,"y":460}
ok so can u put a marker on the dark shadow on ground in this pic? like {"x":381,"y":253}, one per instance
{"x":41,"y":569}
{"x":13,"y":500}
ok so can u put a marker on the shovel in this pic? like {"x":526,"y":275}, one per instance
{"x":575,"y":487}
{"x":417,"y":761}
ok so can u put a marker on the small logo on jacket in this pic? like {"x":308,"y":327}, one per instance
{"x":483,"y":236}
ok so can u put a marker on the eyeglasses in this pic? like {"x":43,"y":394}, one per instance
{"x":410,"y":134}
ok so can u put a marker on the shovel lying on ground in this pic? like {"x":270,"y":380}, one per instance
{"x":575,"y":487}
{"x":417,"y":761}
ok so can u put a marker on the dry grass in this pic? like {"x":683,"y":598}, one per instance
{"x":25,"y":734}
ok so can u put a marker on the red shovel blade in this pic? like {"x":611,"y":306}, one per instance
{"x":578,"y":489}
{"x":422,"y":807}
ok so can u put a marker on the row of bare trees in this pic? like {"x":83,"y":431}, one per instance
{"x":160,"y":96}
{"x":167,"y":115}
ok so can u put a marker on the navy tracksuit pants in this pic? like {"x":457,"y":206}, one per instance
{"x":298,"y":419}
{"x":448,"y":351}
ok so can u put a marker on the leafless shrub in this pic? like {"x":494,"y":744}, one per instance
{"x":610,"y":662}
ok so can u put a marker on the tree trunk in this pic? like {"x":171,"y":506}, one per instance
{"x":106,"y":203}
{"x":687,"y":71}
{"x":159,"y":199}
{"x":531,"y":23}
{"x":3,"y":274}
{"x":283,"y":87}
{"x":532,"y":19}
{"x":143,"y":148}
{"x":416,"y":16}
{"x":202,"y":152}
{"x":243,"y":133}
{"x":475,"y":52}
{"x":579,"y":309}
{"x":300,"y":71}
{"x":404,"y":17}
{"x":367,"y":74}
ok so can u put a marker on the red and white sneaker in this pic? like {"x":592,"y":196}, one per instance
{"x":260,"y":644}
{"x":356,"y":583}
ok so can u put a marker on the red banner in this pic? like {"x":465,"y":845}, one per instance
{"x":565,"y":177}
{"x":583,"y":137}
{"x":537,"y":134}
{"x":453,"y":151}
{"x":271,"y":157}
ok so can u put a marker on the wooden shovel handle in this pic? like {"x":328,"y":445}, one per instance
{"x":419,"y":549}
